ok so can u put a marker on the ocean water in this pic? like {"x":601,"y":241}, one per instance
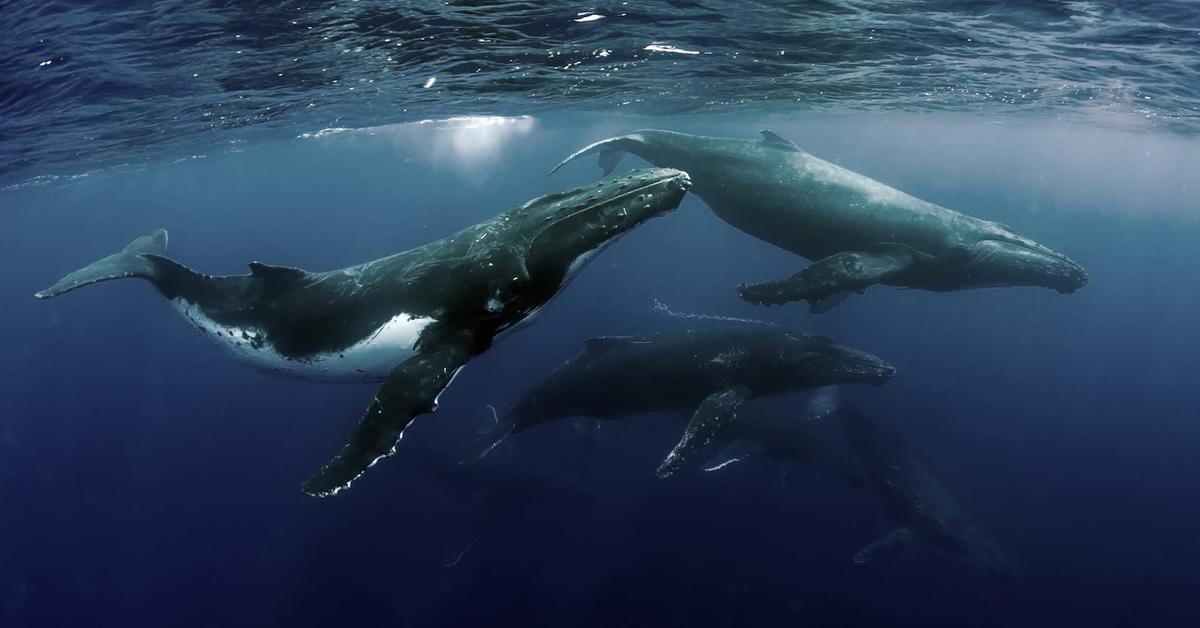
{"x":148,"y":480}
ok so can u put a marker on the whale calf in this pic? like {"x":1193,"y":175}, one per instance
{"x":707,"y":373}
{"x":858,"y":232}
{"x":409,"y":320}
{"x":915,"y":498}
{"x":761,"y":432}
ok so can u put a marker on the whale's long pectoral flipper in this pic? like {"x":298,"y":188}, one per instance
{"x":736,"y":451}
{"x":129,"y":262}
{"x":411,"y":389}
{"x":825,"y":282}
{"x":889,"y":543}
{"x":716,"y":411}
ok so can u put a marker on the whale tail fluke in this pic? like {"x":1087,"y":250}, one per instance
{"x":611,"y":150}
{"x":133,"y":261}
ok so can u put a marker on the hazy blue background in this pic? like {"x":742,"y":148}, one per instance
{"x":148,"y":480}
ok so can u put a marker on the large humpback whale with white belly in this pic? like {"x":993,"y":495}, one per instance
{"x":858,"y":232}
{"x":409,"y":320}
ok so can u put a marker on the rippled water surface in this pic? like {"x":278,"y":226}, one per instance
{"x":92,"y":84}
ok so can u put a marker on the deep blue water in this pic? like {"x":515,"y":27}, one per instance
{"x":146,"y":479}
{"x":149,"y":480}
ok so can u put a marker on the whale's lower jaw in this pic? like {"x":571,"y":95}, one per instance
{"x":996,"y":263}
{"x":366,"y":361}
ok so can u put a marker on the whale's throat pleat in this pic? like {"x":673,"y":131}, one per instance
{"x":367,"y":359}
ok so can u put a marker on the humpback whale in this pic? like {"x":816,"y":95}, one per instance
{"x":707,"y":372}
{"x":915,"y":498}
{"x":492,"y":490}
{"x":409,"y":320}
{"x":763,"y":432}
{"x":857,"y":231}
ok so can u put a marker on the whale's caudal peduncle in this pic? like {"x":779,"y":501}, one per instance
{"x":409,"y":320}
{"x":859,"y":232}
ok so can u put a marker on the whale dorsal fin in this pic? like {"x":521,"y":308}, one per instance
{"x":268,"y":272}
{"x":606,"y":343}
{"x":774,"y":139}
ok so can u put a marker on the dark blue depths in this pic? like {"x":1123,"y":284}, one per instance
{"x":148,"y":480}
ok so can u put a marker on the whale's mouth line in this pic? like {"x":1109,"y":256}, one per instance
{"x":1027,"y":246}
{"x":1032,"y":264}
{"x":996,"y":245}
{"x":623,"y":195}
{"x":1041,"y":250}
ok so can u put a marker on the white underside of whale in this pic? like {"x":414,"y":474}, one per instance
{"x":368,"y":360}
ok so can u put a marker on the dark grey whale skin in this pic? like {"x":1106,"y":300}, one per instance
{"x":706,"y":372}
{"x":473,"y":284}
{"x":915,"y":498}
{"x":858,"y":232}
{"x":788,"y":437}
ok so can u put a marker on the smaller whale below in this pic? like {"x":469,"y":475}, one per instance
{"x":765,"y":433}
{"x":494,"y":485}
{"x":409,"y":320}
{"x":857,"y":231}
{"x":918,"y":501}
{"x":707,"y":373}
{"x":494,"y":491}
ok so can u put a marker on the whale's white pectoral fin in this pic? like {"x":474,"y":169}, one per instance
{"x":411,"y":389}
{"x":737,"y":451}
{"x":827,"y":281}
{"x":715,"y":412}
{"x":889,"y":543}
{"x":492,"y":439}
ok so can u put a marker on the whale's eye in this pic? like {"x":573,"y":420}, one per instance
{"x":500,"y":293}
